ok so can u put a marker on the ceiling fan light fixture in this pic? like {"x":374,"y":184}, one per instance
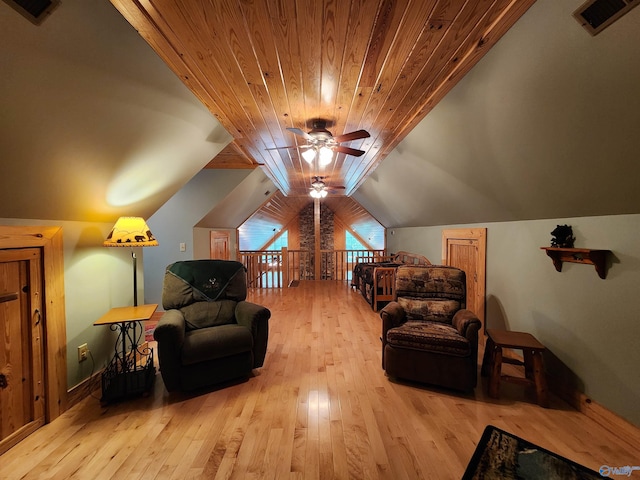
{"x":326,"y":156}
{"x":318,"y":188}
{"x":318,"y":193}
{"x":309,"y":155}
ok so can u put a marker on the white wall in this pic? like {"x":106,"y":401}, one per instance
{"x":591,"y":326}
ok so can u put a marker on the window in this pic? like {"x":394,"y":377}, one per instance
{"x":280,"y":242}
{"x":352,"y":242}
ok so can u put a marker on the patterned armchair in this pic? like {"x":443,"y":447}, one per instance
{"x":428,"y":335}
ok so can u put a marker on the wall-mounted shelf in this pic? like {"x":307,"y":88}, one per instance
{"x":588,"y":256}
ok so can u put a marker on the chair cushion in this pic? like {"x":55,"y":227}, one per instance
{"x":431,"y":309}
{"x":215,"y":342}
{"x":209,"y":314}
{"x":433,"y":281}
{"x":430,"y":336}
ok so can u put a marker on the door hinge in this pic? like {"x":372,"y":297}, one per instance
{"x":7,"y":297}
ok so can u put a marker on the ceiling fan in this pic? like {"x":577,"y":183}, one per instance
{"x":322,"y":143}
{"x":319,"y":188}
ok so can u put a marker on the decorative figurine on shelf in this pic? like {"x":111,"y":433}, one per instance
{"x":562,"y":236}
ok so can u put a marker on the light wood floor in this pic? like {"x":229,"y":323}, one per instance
{"x":321,"y":407}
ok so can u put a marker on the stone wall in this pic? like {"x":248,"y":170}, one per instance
{"x":307,"y":237}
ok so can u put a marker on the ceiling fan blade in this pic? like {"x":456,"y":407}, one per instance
{"x":299,"y":147}
{"x":347,"y":137}
{"x":278,"y":148}
{"x":297,"y":131}
{"x":349,"y":151}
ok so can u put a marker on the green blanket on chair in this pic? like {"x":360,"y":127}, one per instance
{"x":206,"y":280}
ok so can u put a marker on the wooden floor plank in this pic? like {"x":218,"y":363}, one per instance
{"x":321,"y":407}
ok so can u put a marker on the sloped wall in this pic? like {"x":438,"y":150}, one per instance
{"x":544,"y":126}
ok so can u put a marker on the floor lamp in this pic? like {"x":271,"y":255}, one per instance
{"x":131,"y":232}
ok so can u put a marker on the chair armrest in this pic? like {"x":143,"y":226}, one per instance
{"x":169,"y":333}
{"x":256,"y":319}
{"x":393,"y":315}
{"x":467,"y":324}
{"x":170,"y":329}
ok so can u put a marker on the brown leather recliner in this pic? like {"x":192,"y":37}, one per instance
{"x":428,"y":335}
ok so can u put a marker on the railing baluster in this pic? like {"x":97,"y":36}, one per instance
{"x":277,"y":269}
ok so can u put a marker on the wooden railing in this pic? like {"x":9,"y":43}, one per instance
{"x":264,"y":268}
{"x":277,"y":269}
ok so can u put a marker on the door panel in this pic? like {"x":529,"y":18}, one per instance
{"x":466,"y":249}
{"x":219,"y":245}
{"x":464,"y":255}
{"x":21,"y":350}
{"x":11,"y":361}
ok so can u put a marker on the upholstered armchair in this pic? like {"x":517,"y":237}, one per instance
{"x":428,"y":335}
{"x":209,"y":333}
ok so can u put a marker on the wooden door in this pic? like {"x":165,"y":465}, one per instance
{"x":219,"y":248}
{"x":466,"y":249}
{"x":22,"y":403}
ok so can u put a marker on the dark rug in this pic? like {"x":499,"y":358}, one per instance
{"x":502,"y":455}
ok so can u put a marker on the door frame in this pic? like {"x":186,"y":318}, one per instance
{"x":50,"y":241}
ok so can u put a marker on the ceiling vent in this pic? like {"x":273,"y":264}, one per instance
{"x":596,"y":15}
{"x":33,"y":10}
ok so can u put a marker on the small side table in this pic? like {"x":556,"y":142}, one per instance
{"x":533,"y":366}
{"x":131,"y":371}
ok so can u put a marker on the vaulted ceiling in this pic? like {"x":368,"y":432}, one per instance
{"x":264,"y":66}
{"x":94,"y":124}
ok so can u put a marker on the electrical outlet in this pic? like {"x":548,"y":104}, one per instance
{"x":83,"y":352}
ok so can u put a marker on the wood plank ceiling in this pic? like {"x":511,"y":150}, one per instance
{"x":261,"y":66}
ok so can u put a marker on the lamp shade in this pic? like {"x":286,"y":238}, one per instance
{"x":130,"y":232}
